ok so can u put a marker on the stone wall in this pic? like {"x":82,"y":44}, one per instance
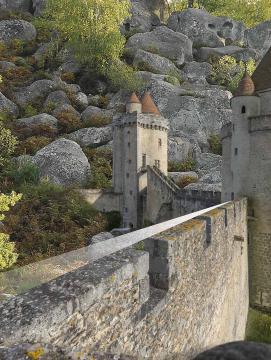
{"x":103,"y":200}
{"x":188,"y":291}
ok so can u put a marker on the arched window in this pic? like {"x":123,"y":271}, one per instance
{"x":243,"y":110}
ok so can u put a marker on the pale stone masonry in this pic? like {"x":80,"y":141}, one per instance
{"x":247,"y":170}
{"x":186,"y":292}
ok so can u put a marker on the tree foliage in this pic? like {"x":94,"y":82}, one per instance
{"x":7,"y":249}
{"x":91,"y":27}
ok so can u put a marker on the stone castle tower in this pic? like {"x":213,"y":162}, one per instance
{"x":140,"y":140}
{"x":247,"y":172}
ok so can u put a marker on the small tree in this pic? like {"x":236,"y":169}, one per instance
{"x":7,"y":249}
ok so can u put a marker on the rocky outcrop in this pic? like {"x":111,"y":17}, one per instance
{"x":66,"y":108}
{"x":63,"y":162}
{"x":206,"y":30}
{"x":24,"y":5}
{"x":93,"y":137}
{"x":244,"y":54}
{"x":94,"y":111}
{"x":36,"y":92}
{"x":56,"y":98}
{"x":195,"y":72}
{"x":141,"y":19}
{"x":38,"y":6}
{"x":164,"y":42}
{"x":33,"y":122}
{"x":8,"y":107}
{"x":17,"y":29}
{"x":181,"y":147}
{"x":154,"y":63}
{"x":259,"y":37}
{"x":6,"y":65}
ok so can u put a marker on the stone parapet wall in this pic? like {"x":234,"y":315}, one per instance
{"x":188,"y":291}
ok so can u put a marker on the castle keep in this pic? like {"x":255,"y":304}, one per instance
{"x":246,"y":172}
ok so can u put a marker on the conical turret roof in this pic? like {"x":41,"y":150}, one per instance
{"x":262,"y":75}
{"x":148,"y":106}
{"x":246,"y":86}
{"x":134,"y":99}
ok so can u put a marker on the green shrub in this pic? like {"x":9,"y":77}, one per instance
{"x":68,"y":122}
{"x":123,"y":76}
{"x":25,"y":173}
{"x":186,"y":180}
{"x":51,"y":220}
{"x":101,"y":168}
{"x":97,"y":120}
{"x":8,"y":255}
{"x":172,"y":80}
{"x":215,"y":144}
{"x":226,"y":71}
{"x":258,"y":327}
{"x":186,"y":165}
{"x":29,"y":111}
{"x":8,"y":144}
{"x":114,"y":220}
{"x":32,"y":144}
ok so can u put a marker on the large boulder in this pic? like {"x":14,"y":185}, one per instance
{"x":56,"y":98}
{"x":94,"y":112}
{"x":154,"y":63}
{"x":244,"y":54}
{"x":36,"y":92}
{"x":92,"y":137}
{"x":182,"y":147}
{"x":22,"y":5}
{"x":205,"y":29}
{"x":41,"y":120}
{"x":6,"y":65}
{"x":195,"y":72}
{"x":17,"y":29}
{"x":164,"y":42}
{"x":65,"y":108}
{"x":63,"y":162}
{"x":259,"y":37}
{"x":142,"y":19}
{"x":8,"y":107}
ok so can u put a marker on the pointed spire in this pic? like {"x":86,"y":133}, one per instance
{"x":246,"y":86}
{"x":148,"y":106}
{"x":134,"y":99}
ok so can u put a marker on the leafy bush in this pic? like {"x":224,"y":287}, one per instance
{"x":186,"y":180}
{"x":101,"y":168}
{"x":32,"y":144}
{"x":68,"y":122}
{"x":29,"y":111}
{"x":97,"y":120}
{"x":172,"y":80}
{"x":7,"y":249}
{"x":114,"y":220}
{"x":258,"y":327}
{"x":51,"y":220}
{"x":228,"y":72}
{"x":186,"y":165}
{"x":8,"y":144}
{"x":69,"y":77}
{"x":123,"y":76}
{"x":215,"y":144}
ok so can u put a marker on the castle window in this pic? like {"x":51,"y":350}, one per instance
{"x":159,"y":142}
{"x":236,"y":151}
{"x":127,"y":175}
{"x":130,"y":161}
{"x":157,"y":163}
{"x":144,"y":160}
{"x":232,"y":196}
{"x":243,"y":110}
{"x":129,"y":144}
{"x":126,"y":210}
{"x":131,"y":192}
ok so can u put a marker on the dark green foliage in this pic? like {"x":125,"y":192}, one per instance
{"x":113,"y":220}
{"x":51,"y":220}
{"x":187,"y":165}
{"x":258,"y":327}
{"x":215,"y":144}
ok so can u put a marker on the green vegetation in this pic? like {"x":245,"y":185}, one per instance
{"x":215,"y":144}
{"x":8,"y":144}
{"x":8,"y":255}
{"x":51,"y":220}
{"x":250,"y":12}
{"x":228,"y":72}
{"x":101,"y":168}
{"x":258,"y":327}
{"x":186,"y":165}
{"x":186,"y":180}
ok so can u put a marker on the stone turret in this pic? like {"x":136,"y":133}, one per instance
{"x":140,"y":140}
{"x":247,"y":170}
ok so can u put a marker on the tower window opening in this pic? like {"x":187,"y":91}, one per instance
{"x":236,"y":151}
{"x":130,"y":161}
{"x":232,"y":196}
{"x":129,"y":144}
{"x":157,"y":163}
{"x":244,"y":110}
{"x":127,"y":175}
{"x":144,"y":160}
{"x":159,"y":142}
